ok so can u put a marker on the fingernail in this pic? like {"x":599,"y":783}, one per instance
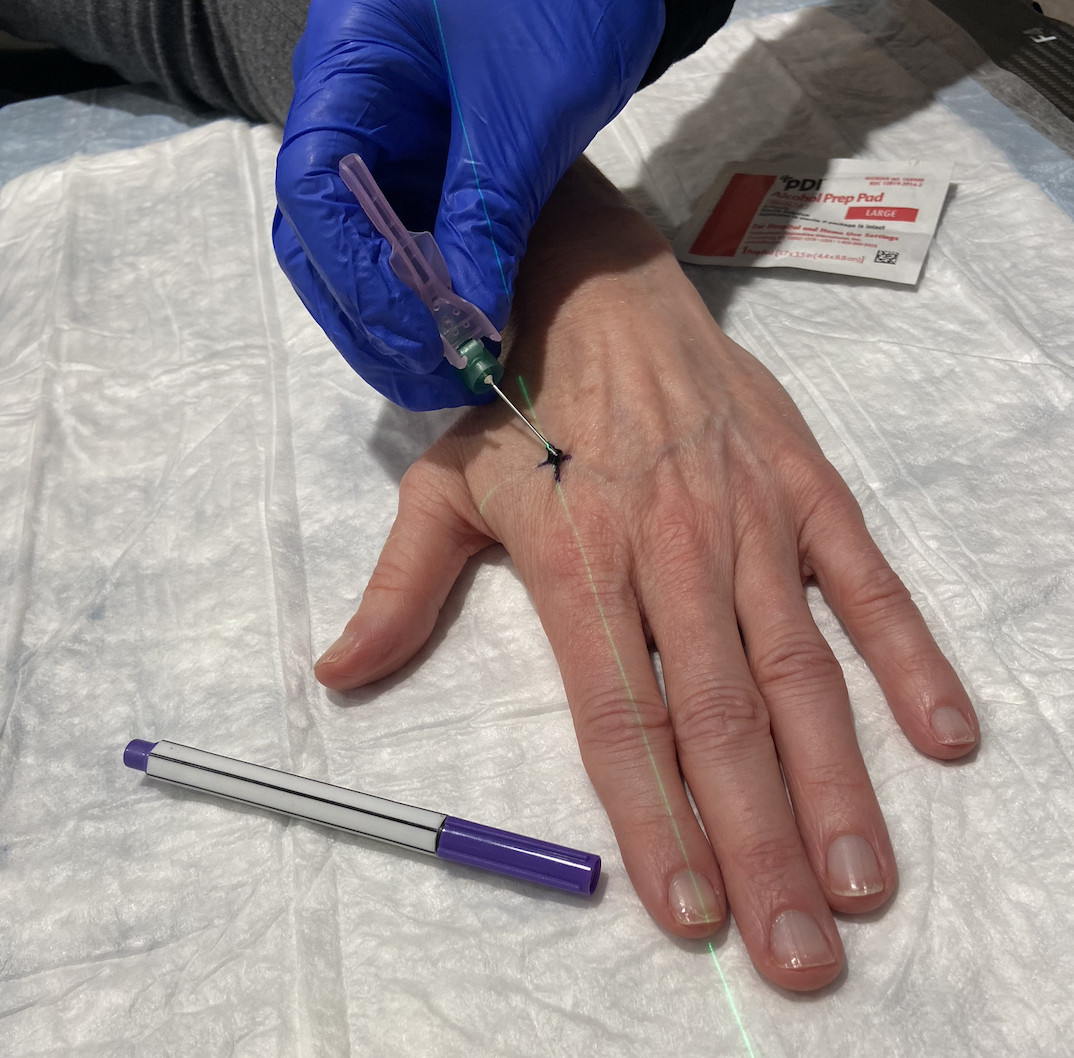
{"x":338,"y":649}
{"x":692,"y":899}
{"x":798,"y":943}
{"x":852,"y":867}
{"x":951,"y":727}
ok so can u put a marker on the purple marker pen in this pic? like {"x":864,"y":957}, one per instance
{"x":374,"y":817}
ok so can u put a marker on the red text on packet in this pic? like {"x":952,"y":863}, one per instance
{"x":905,"y":213}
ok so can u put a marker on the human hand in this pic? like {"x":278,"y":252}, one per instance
{"x":694,"y":509}
{"x":467,"y":113}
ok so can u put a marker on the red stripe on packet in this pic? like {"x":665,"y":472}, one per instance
{"x":732,"y":215}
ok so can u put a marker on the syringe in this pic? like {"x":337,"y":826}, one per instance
{"x":418,"y":262}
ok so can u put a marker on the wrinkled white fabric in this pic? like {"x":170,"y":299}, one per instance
{"x":194,"y":488}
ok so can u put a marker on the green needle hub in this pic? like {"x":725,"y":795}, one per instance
{"x":482,"y":369}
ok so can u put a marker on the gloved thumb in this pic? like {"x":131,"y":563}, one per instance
{"x":518,"y":124}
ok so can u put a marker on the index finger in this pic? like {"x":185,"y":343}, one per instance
{"x":625,"y":737}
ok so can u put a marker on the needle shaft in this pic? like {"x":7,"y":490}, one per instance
{"x":541,"y":436}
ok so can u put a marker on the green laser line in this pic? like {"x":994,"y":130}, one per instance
{"x":493,"y":490}
{"x":622,"y":672}
{"x":469,"y":151}
{"x":730,"y":1000}
{"x":485,"y":499}
{"x":641,"y":729}
{"x":574,"y":532}
{"x":611,"y":643}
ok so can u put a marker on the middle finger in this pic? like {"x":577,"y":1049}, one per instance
{"x":729,"y":761}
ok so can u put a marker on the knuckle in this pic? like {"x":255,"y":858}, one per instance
{"x":615,"y":729}
{"x":416,"y":483}
{"x":671,"y":516}
{"x":676,"y":531}
{"x":878,"y":594}
{"x":833,"y":782}
{"x":756,"y":513}
{"x":718,"y":719}
{"x":823,"y":498}
{"x":808,"y":471}
{"x":425,"y":489}
{"x":558,"y":558}
{"x":767,"y":860}
{"x":390,"y":576}
{"x":432,"y":502}
{"x":794,"y":661}
{"x":587,"y":552}
{"x":680,"y":538}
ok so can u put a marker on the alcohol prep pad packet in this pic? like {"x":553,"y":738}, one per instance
{"x":848,"y":216}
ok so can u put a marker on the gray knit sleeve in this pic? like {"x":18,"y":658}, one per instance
{"x":231,"y":55}
{"x":235,"y":55}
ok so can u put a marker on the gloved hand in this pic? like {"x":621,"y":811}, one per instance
{"x":467,"y":112}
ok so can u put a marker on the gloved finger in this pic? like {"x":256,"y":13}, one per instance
{"x":503,"y":160}
{"x":349,"y":258}
{"x":366,"y":80}
{"x":368,"y":353}
{"x":360,"y":89}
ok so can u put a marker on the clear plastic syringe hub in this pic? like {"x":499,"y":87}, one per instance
{"x":418,"y":262}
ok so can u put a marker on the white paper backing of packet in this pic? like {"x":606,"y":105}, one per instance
{"x":847,"y":216}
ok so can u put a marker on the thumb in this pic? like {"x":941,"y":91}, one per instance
{"x":427,"y":547}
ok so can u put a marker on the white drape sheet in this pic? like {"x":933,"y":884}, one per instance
{"x":194,"y":488}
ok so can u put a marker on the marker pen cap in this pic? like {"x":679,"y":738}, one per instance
{"x":136,"y":754}
{"x":518,"y":857}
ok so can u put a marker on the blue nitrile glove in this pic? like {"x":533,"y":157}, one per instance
{"x":467,"y":112}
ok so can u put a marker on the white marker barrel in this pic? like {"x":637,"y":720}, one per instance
{"x":295,"y":795}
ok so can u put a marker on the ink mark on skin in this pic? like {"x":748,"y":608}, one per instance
{"x":556,"y":458}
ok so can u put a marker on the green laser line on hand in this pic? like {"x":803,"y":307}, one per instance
{"x":629,"y":693}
